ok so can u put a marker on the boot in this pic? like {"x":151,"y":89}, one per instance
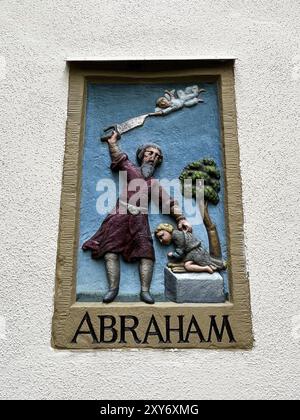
{"x":147,"y":298}
{"x":110,"y":295}
{"x":146,"y":272}
{"x":112,"y":265}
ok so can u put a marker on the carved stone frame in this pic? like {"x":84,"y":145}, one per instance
{"x":67,"y":312}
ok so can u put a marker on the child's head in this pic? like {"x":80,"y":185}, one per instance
{"x":163,"y":232}
{"x":163,"y":102}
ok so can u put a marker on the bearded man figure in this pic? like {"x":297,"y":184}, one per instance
{"x":125,"y":231}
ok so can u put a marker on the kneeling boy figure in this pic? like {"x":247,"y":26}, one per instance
{"x":188,"y":249}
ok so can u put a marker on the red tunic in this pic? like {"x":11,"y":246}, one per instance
{"x":127,"y":234}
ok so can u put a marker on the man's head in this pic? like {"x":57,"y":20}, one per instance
{"x":163,"y":232}
{"x":149,"y":156}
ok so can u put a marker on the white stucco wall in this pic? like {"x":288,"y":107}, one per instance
{"x":35,"y":38}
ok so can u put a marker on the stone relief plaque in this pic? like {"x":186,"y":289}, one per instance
{"x":150,"y":249}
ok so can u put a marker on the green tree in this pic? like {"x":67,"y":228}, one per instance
{"x":206,"y":170}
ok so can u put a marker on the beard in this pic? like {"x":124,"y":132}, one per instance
{"x":147,"y":169}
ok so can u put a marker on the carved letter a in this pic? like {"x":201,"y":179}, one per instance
{"x":90,"y":331}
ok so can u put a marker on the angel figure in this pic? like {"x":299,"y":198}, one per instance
{"x":174,"y":100}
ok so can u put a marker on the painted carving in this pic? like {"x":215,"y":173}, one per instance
{"x":171,"y":101}
{"x":120,"y":206}
{"x":126,"y":126}
{"x":188,"y":250}
{"x":175,"y":100}
{"x":206,"y":170}
{"x":125,"y":231}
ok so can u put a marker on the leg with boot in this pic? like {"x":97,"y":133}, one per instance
{"x":146,"y":272}
{"x":112,"y":265}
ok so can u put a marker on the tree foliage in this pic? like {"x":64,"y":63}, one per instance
{"x":206,"y":170}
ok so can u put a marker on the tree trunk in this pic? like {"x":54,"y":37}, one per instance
{"x":212,"y":233}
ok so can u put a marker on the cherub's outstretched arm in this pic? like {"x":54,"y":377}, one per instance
{"x":168,"y":110}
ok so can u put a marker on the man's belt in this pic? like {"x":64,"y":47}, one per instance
{"x":134,"y":210}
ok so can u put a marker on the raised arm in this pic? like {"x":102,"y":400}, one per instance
{"x":114,"y":149}
{"x":179,"y":217}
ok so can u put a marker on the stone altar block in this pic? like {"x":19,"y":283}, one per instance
{"x":194,"y":287}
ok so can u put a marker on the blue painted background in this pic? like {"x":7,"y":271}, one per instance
{"x":184,"y":136}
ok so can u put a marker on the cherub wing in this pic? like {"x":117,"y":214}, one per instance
{"x":181,"y":94}
{"x":170,"y":94}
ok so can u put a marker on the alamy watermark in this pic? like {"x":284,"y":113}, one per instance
{"x":154,"y":196}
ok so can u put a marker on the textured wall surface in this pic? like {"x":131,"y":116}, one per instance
{"x":35,"y":38}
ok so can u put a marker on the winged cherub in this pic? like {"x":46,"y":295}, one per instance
{"x":174,"y":100}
